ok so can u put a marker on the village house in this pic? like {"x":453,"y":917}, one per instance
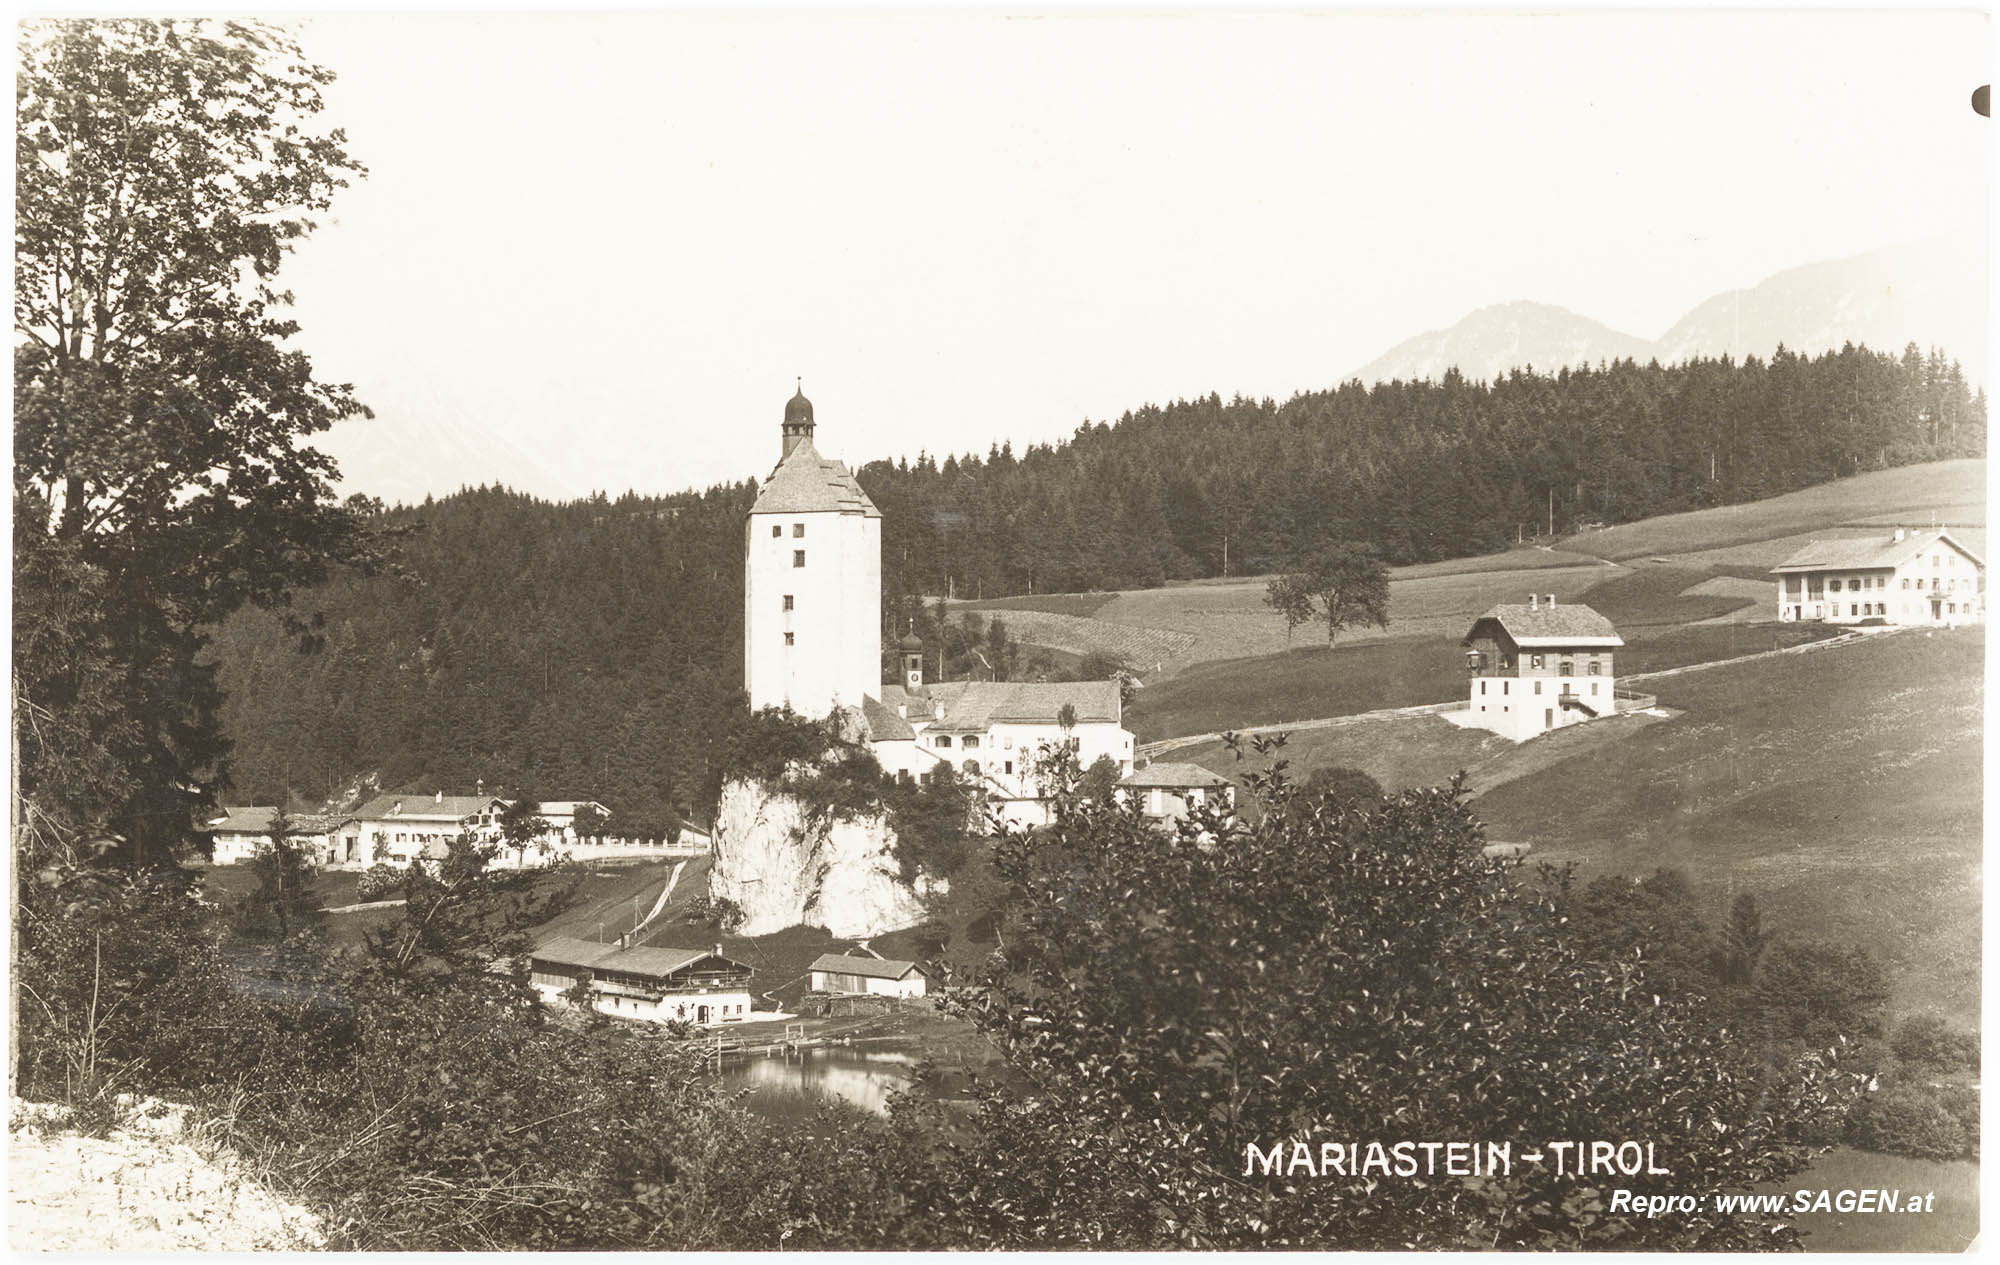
{"x":1169,"y":792}
{"x":1537,"y":667}
{"x":398,"y":829}
{"x":812,"y":621}
{"x":1906,"y":577}
{"x":237,"y":834}
{"x":697,"y":986}
{"x":871,"y":976}
{"x":561,"y":814}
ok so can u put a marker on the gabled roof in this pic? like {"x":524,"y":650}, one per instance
{"x":567,"y":807}
{"x":570,"y":951}
{"x":1544,"y":625}
{"x":1168,"y":775}
{"x":975,"y":706}
{"x":420,"y":807}
{"x":872,"y":968}
{"x":257,"y":821}
{"x":806,"y":483}
{"x":1870,"y":552}
{"x":242,"y":820}
{"x":656,"y":963}
{"x":884,"y":725}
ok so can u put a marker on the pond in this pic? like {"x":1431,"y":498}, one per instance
{"x":793,"y":1086}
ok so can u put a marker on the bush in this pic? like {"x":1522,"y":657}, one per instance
{"x":1924,"y":1043}
{"x":1927,"y":1122}
{"x":1816,"y":991}
{"x":379,"y":882}
{"x":1347,"y":787}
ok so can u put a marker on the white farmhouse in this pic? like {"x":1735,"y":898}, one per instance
{"x":237,"y":834}
{"x":870,"y":976}
{"x":1534,"y":667}
{"x":1906,"y":577}
{"x":397,"y":829}
{"x":697,"y":986}
{"x":812,"y":619}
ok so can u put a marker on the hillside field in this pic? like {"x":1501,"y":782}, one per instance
{"x":1706,"y":565}
{"x":1954,"y":492}
{"x":1842,"y":787}
{"x":1401,"y":672}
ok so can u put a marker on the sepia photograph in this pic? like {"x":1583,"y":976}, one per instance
{"x":929,"y":629}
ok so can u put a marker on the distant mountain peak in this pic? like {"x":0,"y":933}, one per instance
{"x":1932,"y":293}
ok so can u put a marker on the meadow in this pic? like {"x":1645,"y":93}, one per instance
{"x":1842,"y":787}
{"x":1404,"y":672}
{"x":1954,"y":492}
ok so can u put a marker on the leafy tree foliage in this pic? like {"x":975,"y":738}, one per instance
{"x":1343,"y":583}
{"x":1816,"y":991}
{"x":163,"y":171}
{"x":1290,"y":596}
{"x":283,"y":901}
{"x":1328,"y":975}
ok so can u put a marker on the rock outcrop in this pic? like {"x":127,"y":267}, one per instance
{"x":784,"y":865}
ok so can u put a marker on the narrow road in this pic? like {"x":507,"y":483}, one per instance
{"x":1152,"y":749}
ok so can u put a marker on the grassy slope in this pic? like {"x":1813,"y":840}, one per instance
{"x":1082,"y":605}
{"x":1842,"y":788}
{"x":1910,"y":494}
{"x":1369,"y":675}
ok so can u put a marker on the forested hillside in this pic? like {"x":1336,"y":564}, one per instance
{"x":594,"y":649}
{"x":1424,"y":470}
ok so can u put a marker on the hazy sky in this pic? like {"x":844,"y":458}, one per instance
{"x":596,"y":250}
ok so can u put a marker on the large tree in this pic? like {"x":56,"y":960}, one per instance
{"x":1343,"y":975}
{"x":164,"y":169}
{"x":1343,"y":583}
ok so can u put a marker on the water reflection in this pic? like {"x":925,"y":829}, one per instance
{"x":794,"y":1086}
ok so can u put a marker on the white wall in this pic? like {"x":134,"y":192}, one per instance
{"x":835,"y":620}
{"x":724,"y":1007}
{"x":1900,"y":596}
{"x":1515,"y":708}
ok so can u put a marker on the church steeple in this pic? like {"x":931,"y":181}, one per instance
{"x":798,"y":421}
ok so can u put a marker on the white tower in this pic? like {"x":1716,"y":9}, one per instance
{"x":812,"y":581}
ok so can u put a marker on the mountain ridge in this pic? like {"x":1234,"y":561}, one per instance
{"x":1931,"y":292}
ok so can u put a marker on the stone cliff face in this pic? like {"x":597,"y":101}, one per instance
{"x":783,"y":866}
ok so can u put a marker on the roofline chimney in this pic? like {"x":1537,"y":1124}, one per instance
{"x":1534,"y":601}
{"x":1552,"y":601}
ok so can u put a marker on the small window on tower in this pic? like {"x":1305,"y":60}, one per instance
{"x":798,"y":557}
{"x":788,"y":639}
{"x":798,"y":529}
{"x":788,"y":601}
{"x":777,"y":529}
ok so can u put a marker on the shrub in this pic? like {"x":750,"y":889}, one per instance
{"x":1816,"y":991}
{"x":1923,"y":1121}
{"x":379,"y":882}
{"x":1925,"y":1043}
{"x":1348,"y":787}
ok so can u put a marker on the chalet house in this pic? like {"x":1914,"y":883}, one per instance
{"x":1906,"y":577}
{"x":1168,"y":792}
{"x":879,"y":977}
{"x":1538,"y":667}
{"x":697,"y":986}
{"x":238,"y":834}
{"x":398,"y":829}
{"x":561,"y":814}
